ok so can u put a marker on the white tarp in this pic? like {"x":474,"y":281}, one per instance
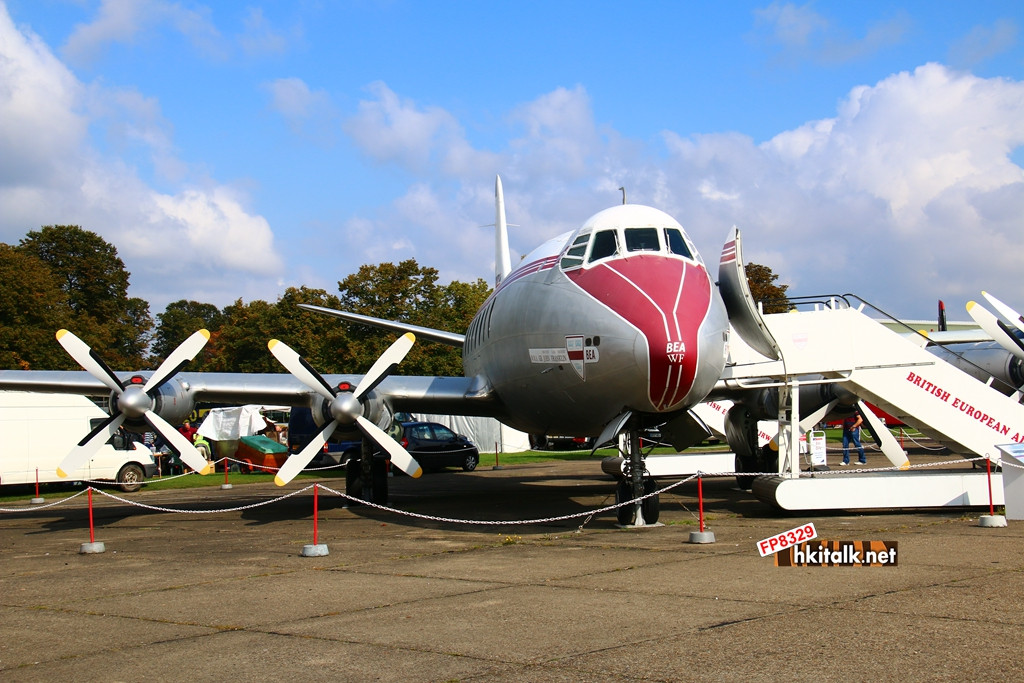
{"x":228,"y":424}
{"x":484,"y":432}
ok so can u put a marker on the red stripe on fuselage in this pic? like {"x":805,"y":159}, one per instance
{"x":528,"y":269}
{"x":667,"y":299}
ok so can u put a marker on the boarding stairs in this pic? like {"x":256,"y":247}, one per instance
{"x":835,"y":342}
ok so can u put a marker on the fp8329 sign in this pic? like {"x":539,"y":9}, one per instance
{"x":774,"y":544}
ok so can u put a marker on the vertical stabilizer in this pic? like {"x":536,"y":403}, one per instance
{"x":502,"y":260}
{"x":743,"y":313}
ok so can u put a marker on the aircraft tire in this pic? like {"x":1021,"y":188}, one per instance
{"x":626,"y":514}
{"x":744,"y":465}
{"x":651,"y":507}
{"x":378,"y":481}
{"x":353,"y":481}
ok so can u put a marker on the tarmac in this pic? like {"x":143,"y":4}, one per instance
{"x":223,"y":590}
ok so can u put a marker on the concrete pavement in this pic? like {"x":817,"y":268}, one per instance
{"x":218,"y":594}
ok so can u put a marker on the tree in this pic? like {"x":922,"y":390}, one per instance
{"x":409,"y":293}
{"x":240,"y":345}
{"x":94,"y":281}
{"x":321,"y":339}
{"x":86,"y":267}
{"x":178,"y":322}
{"x":32,"y":309}
{"x":763,"y":289}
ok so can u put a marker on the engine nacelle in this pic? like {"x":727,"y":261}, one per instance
{"x":375,"y":409}
{"x":982,"y":360}
{"x":172,"y":401}
{"x":764,"y":404}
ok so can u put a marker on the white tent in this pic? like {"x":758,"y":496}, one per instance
{"x":228,"y":424}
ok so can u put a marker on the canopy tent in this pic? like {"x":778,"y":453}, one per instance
{"x":229,"y":424}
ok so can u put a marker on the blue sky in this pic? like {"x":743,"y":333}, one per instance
{"x":230,"y":151}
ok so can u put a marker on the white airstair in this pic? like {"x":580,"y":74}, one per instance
{"x":837,"y":343}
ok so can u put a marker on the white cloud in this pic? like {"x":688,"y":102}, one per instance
{"x":41,"y":127}
{"x":309,"y":113}
{"x":983,"y":42}
{"x":125,"y":21}
{"x":215,"y":223}
{"x":260,"y":37}
{"x":790,"y":25}
{"x":390,"y":129}
{"x":906,"y":195}
{"x":52,"y":174}
{"x":801,"y":31}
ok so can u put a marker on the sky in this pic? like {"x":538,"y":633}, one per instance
{"x":232,"y":150}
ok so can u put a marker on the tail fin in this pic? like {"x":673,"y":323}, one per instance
{"x":502,"y":260}
{"x":942,"y":316}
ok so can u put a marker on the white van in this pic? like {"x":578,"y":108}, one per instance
{"x":39,"y":430}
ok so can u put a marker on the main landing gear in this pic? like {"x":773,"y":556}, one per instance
{"x":633,"y":486}
{"x":366,"y":477}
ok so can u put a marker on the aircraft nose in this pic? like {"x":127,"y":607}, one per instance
{"x":667,"y":300}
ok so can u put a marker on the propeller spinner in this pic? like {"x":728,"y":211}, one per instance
{"x":132,"y":401}
{"x":345,"y":406}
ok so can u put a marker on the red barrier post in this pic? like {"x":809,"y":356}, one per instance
{"x":37,"y":482}
{"x":315,"y":549}
{"x":316,"y":489}
{"x":92,"y":532}
{"x":700,"y":501}
{"x":988,"y":471}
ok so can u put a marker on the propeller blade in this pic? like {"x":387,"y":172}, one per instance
{"x":888,"y":443}
{"x":386,"y":364}
{"x":296,"y":463}
{"x":185,"y":352}
{"x":87,"y":447}
{"x":186,"y":451}
{"x":302,"y":370}
{"x":89,"y":361}
{"x":995,"y":328}
{"x":400,"y":458}
{"x":1013,"y":316}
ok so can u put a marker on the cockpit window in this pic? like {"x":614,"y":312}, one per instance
{"x":676,"y":243}
{"x":642,"y":239}
{"x":606,"y":243}
{"x":574,"y":256}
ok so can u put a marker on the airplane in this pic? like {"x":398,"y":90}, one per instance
{"x":608,"y":329}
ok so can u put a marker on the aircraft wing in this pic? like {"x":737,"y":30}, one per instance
{"x":957,"y":336}
{"x":449,"y":338}
{"x":448,"y":395}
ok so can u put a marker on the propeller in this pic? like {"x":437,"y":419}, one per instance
{"x":345,"y":406}
{"x":133,"y":401}
{"x":1013,"y":316}
{"x":995,"y":327}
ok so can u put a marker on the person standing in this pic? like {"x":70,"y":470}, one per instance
{"x":188,"y":431}
{"x":851,"y":433}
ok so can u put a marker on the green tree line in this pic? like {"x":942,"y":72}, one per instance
{"x":63,"y":276}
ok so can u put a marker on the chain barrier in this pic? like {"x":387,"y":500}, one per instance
{"x":589,"y":514}
{"x":158,"y":508}
{"x":47,"y":505}
{"x":511,"y":522}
